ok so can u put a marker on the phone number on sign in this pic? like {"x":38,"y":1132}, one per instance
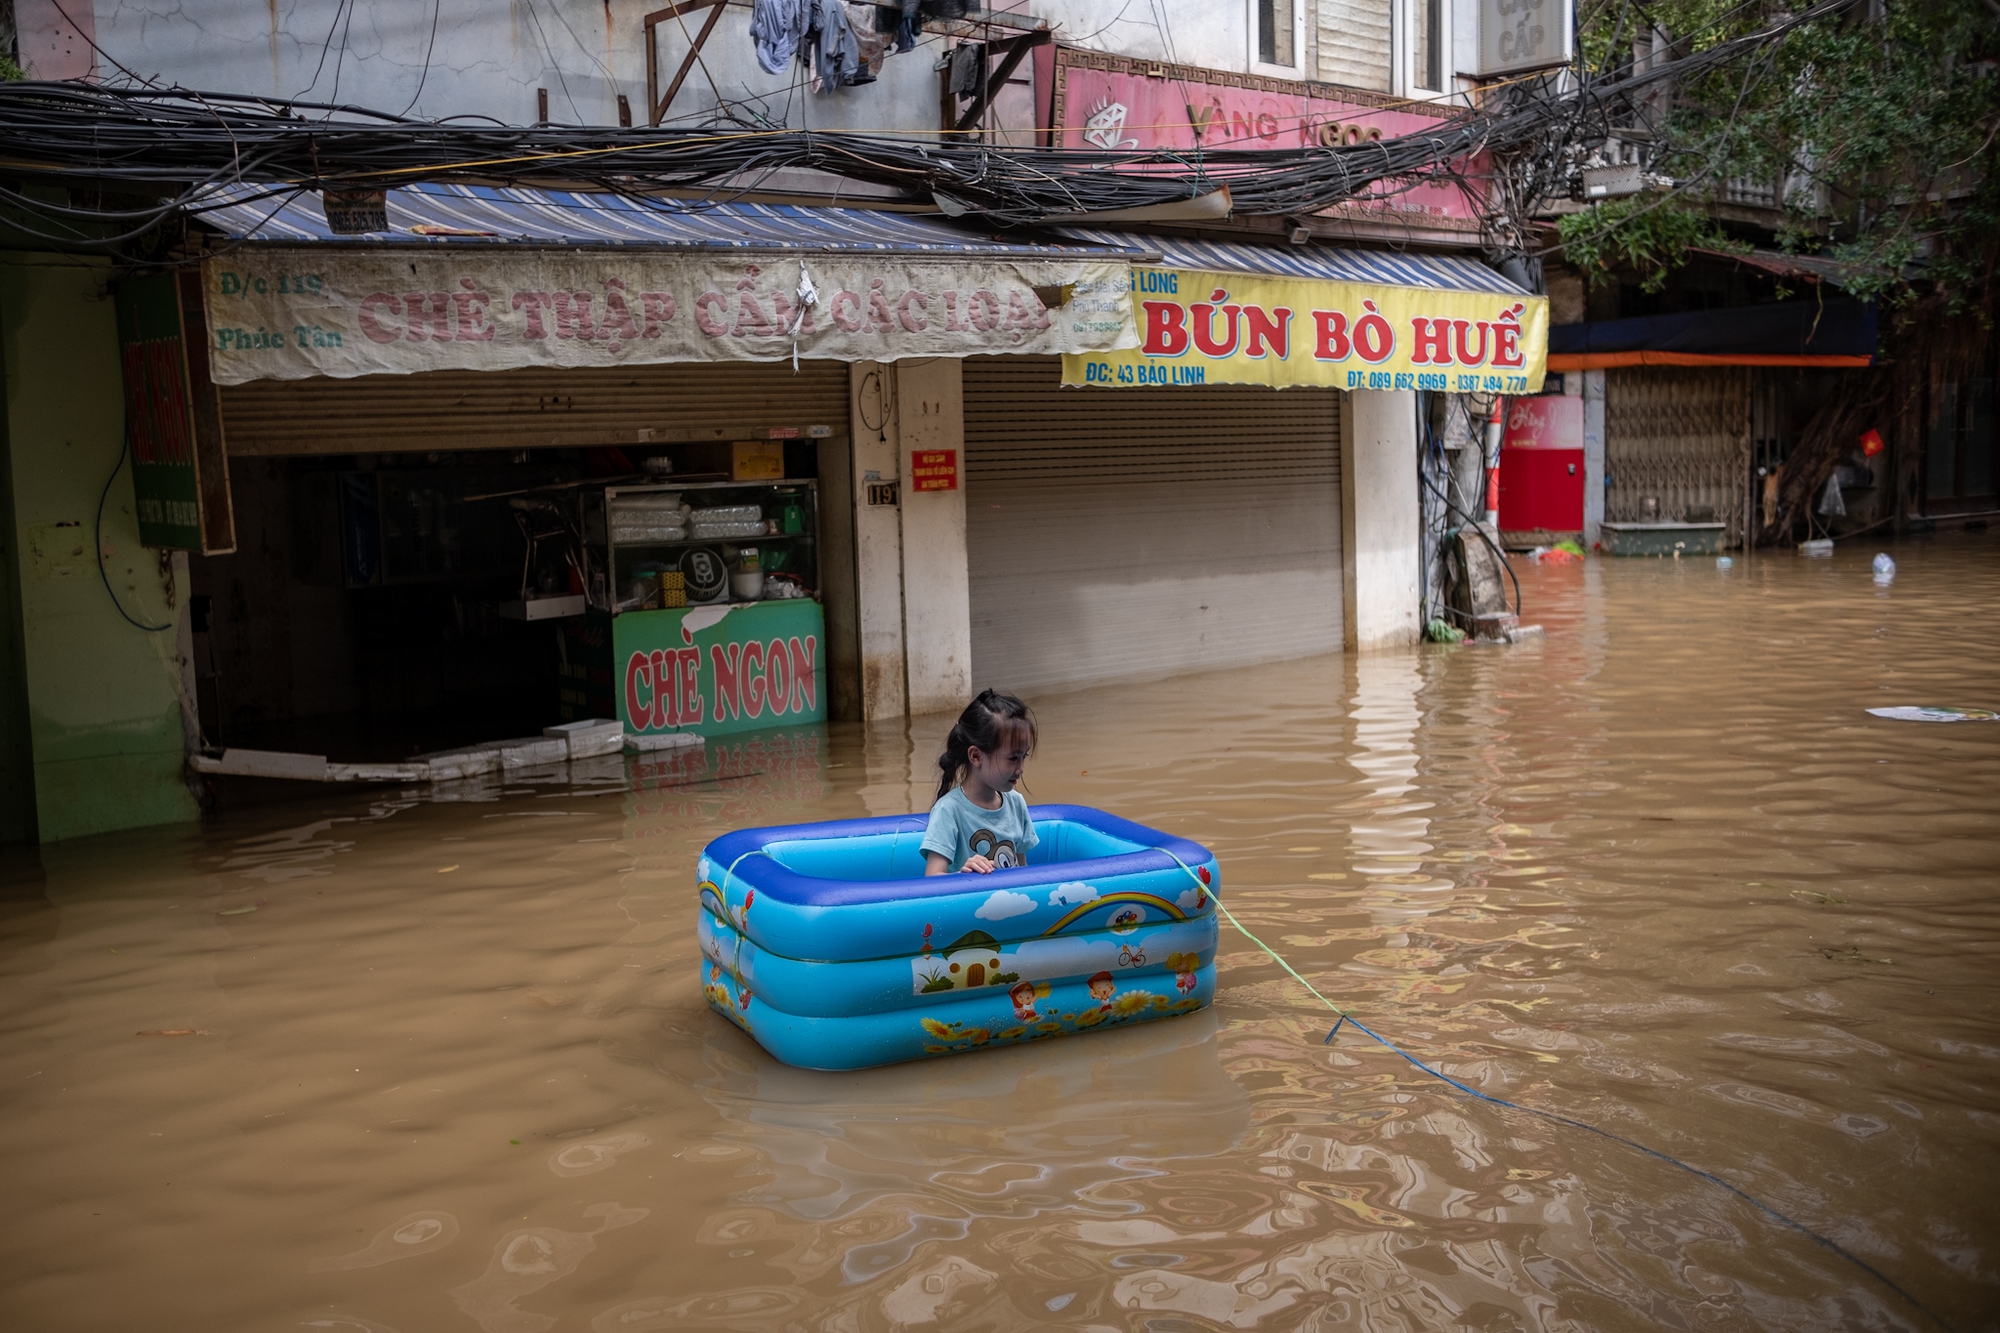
{"x":1405,"y":379}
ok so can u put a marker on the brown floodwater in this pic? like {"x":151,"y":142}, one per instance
{"x":444,"y":1063}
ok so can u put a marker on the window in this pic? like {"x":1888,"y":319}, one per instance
{"x":1427,"y":45}
{"x":1275,"y":24}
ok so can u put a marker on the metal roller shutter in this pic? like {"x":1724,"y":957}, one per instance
{"x":1118,"y":534}
{"x":533,"y":408}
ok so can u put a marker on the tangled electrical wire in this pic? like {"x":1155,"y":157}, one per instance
{"x":165,"y":149}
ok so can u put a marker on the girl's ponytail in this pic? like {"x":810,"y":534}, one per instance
{"x":984,"y":724}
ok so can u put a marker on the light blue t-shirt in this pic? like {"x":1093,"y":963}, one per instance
{"x":960,"y":830}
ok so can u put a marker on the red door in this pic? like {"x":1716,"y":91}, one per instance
{"x":1541,"y":465}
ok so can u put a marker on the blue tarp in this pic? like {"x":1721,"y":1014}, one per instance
{"x":1841,"y":327}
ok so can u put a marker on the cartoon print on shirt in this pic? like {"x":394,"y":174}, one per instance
{"x":1000,"y":851}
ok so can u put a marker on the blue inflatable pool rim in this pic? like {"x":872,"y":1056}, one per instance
{"x":757,"y":867}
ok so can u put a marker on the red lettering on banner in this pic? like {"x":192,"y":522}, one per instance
{"x":917,"y":322}
{"x":1333,"y":343}
{"x":792,"y":320}
{"x":983,"y":310}
{"x":666,"y":696}
{"x":689,"y":677}
{"x":1273,"y":329}
{"x":879,"y":318}
{"x":573,"y":315}
{"x":751,"y":666}
{"x":846,"y":308}
{"x":472,"y":304}
{"x":1506,"y":338}
{"x":618,"y":326}
{"x":1203,"y":319}
{"x":728,"y":695}
{"x":805,"y":686}
{"x":534,"y":303}
{"x":1466,"y":356}
{"x":1433,"y":341}
{"x":1166,"y":329}
{"x":1373,"y":338}
{"x":707,"y":314}
{"x":952,"y":322}
{"x":656,"y":308}
{"x":637,"y":673}
{"x":750,"y":316}
{"x":372,"y":326}
{"x":428,"y":311}
{"x":777,"y":678}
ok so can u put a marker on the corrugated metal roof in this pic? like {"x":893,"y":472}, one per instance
{"x":484,"y":215}
{"x":1451,"y":273}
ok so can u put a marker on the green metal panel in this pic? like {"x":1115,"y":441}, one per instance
{"x":102,"y":697}
{"x":719,"y":669}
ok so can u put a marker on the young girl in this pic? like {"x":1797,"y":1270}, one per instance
{"x":980,"y":823}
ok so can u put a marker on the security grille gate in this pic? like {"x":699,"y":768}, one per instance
{"x":1681,"y":435}
{"x":1116,"y":534}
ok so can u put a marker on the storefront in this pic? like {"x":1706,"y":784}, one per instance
{"x":540,"y":457}
{"x":1179,"y":506}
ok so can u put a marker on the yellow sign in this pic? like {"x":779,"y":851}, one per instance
{"x":757,"y":460}
{"x":1232,"y":328}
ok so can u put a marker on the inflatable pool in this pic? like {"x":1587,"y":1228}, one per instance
{"x":827,"y":943}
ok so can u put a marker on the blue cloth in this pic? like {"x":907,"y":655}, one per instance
{"x":836,"y":51}
{"x":778,"y":27}
{"x":960,"y":830}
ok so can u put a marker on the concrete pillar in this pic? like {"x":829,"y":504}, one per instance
{"x":912,"y":596}
{"x":937,"y":598}
{"x":878,"y":543}
{"x":101,"y":695}
{"x":1591,"y":386}
{"x":1379,"y":523}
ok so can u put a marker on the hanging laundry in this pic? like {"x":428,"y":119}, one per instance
{"x":968,"y":69}
{"x":778,"y":28}
{"x":836,"y":54}
{"x":874,"y":45}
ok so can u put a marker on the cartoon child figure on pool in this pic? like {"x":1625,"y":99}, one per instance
{"x":1101,"y":987}
{"x":1022,"y":993}
{"x":979,"y":823}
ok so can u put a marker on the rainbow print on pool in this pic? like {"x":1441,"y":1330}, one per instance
{"x":827,"y":943}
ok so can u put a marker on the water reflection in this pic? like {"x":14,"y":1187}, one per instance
{"x":442,"y":1060}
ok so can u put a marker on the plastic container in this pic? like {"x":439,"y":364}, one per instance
{"x":730,"y":514}
{"x":708,"y":530}
{"x":830,"y":947}
{"x":747,"y":585}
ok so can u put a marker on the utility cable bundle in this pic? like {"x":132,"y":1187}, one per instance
{"x":174,"y":145}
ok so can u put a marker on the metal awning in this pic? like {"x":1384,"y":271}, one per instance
{"x":1326,"y":263}
{"x":479,"y":215}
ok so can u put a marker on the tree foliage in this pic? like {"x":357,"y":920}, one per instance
{"x":1647,"y":233}
{"x":1878,"y":121}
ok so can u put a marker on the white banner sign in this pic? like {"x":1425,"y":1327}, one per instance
{"x":292,"y":313}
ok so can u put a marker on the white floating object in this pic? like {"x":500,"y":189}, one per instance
{"x":1936,"y":713}
{"x":589,"y":738}
{"x":1819,"y":547}
{"x":1723,"y":562}
{"x":662,"y":740}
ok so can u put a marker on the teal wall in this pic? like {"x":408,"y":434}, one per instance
{"x":97,"y":698}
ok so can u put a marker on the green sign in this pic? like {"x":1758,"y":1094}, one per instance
{"x":718,"y":669}
{"x":158,"y":423}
